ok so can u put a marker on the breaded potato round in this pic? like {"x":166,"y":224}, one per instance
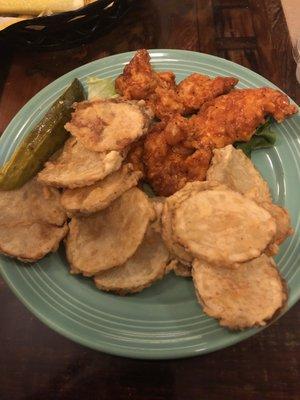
{"x":234,"y":169}
{"x":105,"y":125}
{"x":222,"y":227}
{"x":77,"y":167}
{"x":31,"y":241}
{"x":242,"y":297}
{"x":231,"y":167}
{"x":147,"y":265}
{"x":101,"y":194}
{"x":109,"y":237}
{"x":32,"y":221}
{"x":32,"y":202}
{"x":282,"y":219}
{"x":180,"y":269}
{"x":170,"y":204}
{"x":167,"y":234}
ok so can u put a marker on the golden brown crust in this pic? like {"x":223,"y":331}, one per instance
{"x":106,"y":125}
{"x":78,"y":167}
{"x":234,"y":169}
{"x":32,"y":221}
{"x":170,"y":205}
{"x":231,"y":167}
{"x":180,"y":269}
{"x":167,"y":233}
{"x":197,"y":89}
{"x":31,"y":242}
{"x":147,"y":265}
{"x":163,"y":96}
{"x":109,"y":237}
{"x":135,"y":156}
{"x":250,"y":295}
{"x":138,"y":80}
{"x":222,"y":227}
{"x":169,"y":160}
{"x":100,"y":195}
{"x":179,"y":150}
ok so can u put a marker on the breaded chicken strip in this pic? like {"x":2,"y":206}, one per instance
{"x":165,"y":103}
{"x":180,"y":150}
{"x":235,"y":116}
{"x":189,"y":95}
{"x":135,"y":156}
{"x":170,"y":160}
{"x":163,"y":96}
{"x":139,"y":81}
{"x":196,"y":89}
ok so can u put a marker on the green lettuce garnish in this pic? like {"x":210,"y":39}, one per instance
{"x":147,"y":189}
{"x":263,"y":138}
{"x":101,"y":88}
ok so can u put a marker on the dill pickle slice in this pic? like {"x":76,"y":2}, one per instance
{"x":44,"y":140}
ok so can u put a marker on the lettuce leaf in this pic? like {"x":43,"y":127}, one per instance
{"x":101,"y":88}
{"x":147,"y":189}
{"x":263,"y":138}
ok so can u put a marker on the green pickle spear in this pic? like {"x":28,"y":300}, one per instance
{"x":44,"y":140}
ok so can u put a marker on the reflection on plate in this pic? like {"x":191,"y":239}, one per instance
{"x":165,"y":320}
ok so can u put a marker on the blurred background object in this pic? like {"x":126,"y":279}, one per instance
{"x":291,"y":10}
{"x":296,"y":53}
{"x":52,"y":24}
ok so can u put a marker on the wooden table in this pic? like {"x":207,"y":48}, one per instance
{"x":37,"y":363}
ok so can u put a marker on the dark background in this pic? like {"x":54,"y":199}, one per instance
{"x":37,"y":363}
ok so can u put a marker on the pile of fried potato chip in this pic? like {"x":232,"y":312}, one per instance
{"x":222,"y":232}
{"x":112,"y":235}
{"x":88,"y":195}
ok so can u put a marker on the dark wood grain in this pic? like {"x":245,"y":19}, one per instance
{"x":37,"y":363}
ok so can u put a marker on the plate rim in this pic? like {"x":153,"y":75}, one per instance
{"x":129,"y":353}
{"x":109,"y":348}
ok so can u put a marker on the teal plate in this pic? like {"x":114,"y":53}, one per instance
{"x":164,"y":321}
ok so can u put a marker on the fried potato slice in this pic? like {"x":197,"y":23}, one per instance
{"x":77,"y":167}
{"x":109,"y":237}
{"x":32,"y":221}
{"x":31,"y":203}
{"x":222,"y":227}
{"x":147,"y":265}
{"x":235,"y":170}
{"x":167,"y":215}
{"x":30,"y":242}
{"x":158,"y":205}
{"x":105,"y":125}
{"x":167,"y":234}
{"x":180,"y":269}
{"x":283,"y":226}
{"x":282,"y":219}
{"x":231,"y":167}
{"x":101,"y":194}
{"x":242,"y":297}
